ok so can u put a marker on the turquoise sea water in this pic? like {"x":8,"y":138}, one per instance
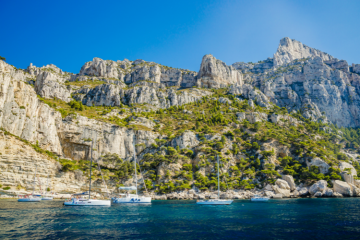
{"x":276,"y":219}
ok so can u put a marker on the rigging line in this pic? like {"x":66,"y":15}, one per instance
{"x":139,"y":164}
{"x":142,"y":176}
{"x":107,"y":191}
{"x":102,"y":177}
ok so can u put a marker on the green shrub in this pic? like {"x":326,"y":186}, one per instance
{"x":76,"y":105}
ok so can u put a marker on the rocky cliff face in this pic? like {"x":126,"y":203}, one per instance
{"x":119,"y":95}
{"x":18,"y":162}
{"x":139,"y":70}
{"x":214,"y":73}
{"x":290,"y":50}
{"x":23,"y":115}
{"x":306,"y":80}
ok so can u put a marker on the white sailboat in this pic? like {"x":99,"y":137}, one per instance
{"x":47,"y":197}
{"x":217,"y":201}
{"x":32,"y":197}
{"x":132,"y":198}
{"x":80,"y":201}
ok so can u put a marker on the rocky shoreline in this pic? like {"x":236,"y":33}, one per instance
{"x":281,"y":189}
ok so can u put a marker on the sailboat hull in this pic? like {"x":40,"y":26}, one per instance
{"x":132,"y":200}
{"x":29,"y":199}
{"x":88,"y":202}
{"x":47,"y":198}
{"x":214,"y":202}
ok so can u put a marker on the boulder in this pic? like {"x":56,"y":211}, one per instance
{"x":357,"y":183}
{"x":236,"y":196}
{"x":268,"y":187}
{"x":355,"y":190}
{"x":290,"y":180}
{"x":336,"y":194}
{"x":344,"y":165}
{"x":303,"y":191}
{"x":269,"y":193}
{"x":284,"y":192}
{"x":342,"y":188}
{"x":318,"y":194}
{"x":323,"y":166}
{"x":282,"y":184}
{"x":277,"y":196}
{"x":329,"y":193}
{"x":224,"y":100}
{"x":201,"y":196}
{"x":349,"y":178}
{"x":295,"y":194}
{"x":192,"y":191}
{"x":319,"y":186}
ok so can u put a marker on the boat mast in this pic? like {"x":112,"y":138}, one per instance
{"x":135,"y":165}
{"x":34,"y":180}
{"x":47,"y":184}
{"x":218,"y":177}
{"x":92,"y":143}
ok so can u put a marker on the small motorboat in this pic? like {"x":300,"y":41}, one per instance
{"x":257,"y":198}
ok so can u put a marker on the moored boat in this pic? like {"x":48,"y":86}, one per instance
{"x":257,"y":198}
{"x":82,"y":201}
{"x":132,"y":198}
{"x":30,"y":197}
{"x":47,"y":197}
{"x":214,"y":202}
{"x":217,"y":201}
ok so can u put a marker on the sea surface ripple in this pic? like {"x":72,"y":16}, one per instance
{"x":276,"y":219}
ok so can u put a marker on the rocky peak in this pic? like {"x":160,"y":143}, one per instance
{"x":100,"y":68}
{"x":33,"y":70}
{"x":290,"y":49}
{"x":214,"y":73}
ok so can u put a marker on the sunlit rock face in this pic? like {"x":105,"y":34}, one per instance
{"x":290,"y":49}
{"x":216,"y":74}
{"x":304,"y":79}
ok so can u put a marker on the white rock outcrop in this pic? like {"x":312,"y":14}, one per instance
{"x":187,"y":139}
{"x":344,"y":165}
{"x":290,"y":49}
{"x":343,"y":188}
{"x":320,"y":186}
{"x":323,"y":166}
{"x":214,"y":73}
{"x":290,"y":180}
{"x":50,"y":85}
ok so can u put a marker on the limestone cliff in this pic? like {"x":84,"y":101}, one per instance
{"x":290,"y":49}
{"x":179,"y":119}
{"x":214,"y":73}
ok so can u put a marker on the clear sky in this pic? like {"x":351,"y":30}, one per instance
{"x":173,"y":33}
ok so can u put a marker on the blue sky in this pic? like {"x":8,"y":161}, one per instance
{"x":173,"y":33}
